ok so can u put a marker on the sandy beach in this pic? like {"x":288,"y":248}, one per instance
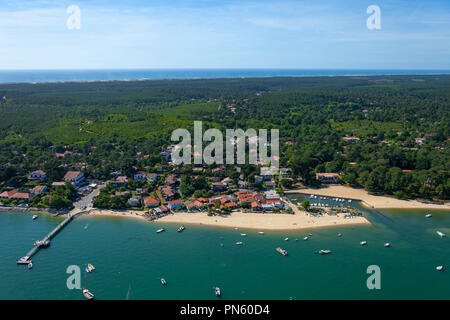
{"x":371,"y":201}
{"x":239,"y":219}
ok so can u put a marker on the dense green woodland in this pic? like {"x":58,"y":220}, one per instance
{"x":108,"y":125}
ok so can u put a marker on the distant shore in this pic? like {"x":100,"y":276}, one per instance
{"x":245,"y":220}
{"x":368,"y":200}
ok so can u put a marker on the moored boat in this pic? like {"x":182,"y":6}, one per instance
{"x":441,"y":234}
{"x":305,"y":238}
{"x":163,"y":281}
{"x":260,"y":232}
{"x":363,"y":243}
{"x":326,"y":251}
{"x":217,"y":291}
{"x":387,"y":244}
{"x":87,"y":294}
{"x":286,"y":239}
{"x":243,"y":234}
{"x":34,"y":217}
{"x":30,"y":265}
{"x":428,"y":215}
{"x":160,"y":230}
{"x":282,"y":251}
{"x":439,"y":268}
{"x":180,"y":229}
{"x":239,"y":243}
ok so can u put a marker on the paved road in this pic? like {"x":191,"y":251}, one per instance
{"x":86,"y":200}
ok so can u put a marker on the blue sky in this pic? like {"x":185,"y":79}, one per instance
{"x":224,"y":34}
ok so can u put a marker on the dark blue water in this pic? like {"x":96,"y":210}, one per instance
{"x":139,"y":74}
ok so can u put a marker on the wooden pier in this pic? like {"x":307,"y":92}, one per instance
{"x":45,"y":242}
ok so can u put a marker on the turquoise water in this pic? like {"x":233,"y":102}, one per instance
{"x":136,"y":74}
{"x":130,"y":258}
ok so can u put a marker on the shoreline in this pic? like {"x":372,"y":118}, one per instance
{"x":445,"y":73}
{"x":368,"y":200}
{"x":239,"y":219}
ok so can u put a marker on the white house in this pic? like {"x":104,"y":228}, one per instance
{"x":76,"y":177}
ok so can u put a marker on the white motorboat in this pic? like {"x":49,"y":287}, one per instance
{"x":387,"y":244}
{"x":30,"y":265}
{"x":87,"y":294}
{"x":286,"y":239}
{"x":363,"y":243}
{"x":243,"y":234}
{"x":180,"y":229}
{"x":305,"y":238}
{"x":441,"y":234}
{"x":217,"y":291}
{"x":325,"y":251}
{"x":439,"y":268}
{"x":34,"y":217}
{"x":163,"y":281}
{"x":260,"y":232}
{"x":428,"y":215}
{"x":239,"y":243}
{"x":160,"y":230}
{"x":339,"y":234}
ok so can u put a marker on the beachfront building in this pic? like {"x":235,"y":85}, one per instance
{"x":151,"y":202}
{"x":328,"y":177}
{"x":161,"y":210}
{"x":37,"y":175}
{"x":76,"y":177}
{"x":175,"y":204}
{"x":16,"y":195}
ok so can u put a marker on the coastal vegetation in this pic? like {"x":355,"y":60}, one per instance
{"x":388,"y":134}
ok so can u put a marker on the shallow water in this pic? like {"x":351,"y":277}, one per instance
{"x":130,"y":258}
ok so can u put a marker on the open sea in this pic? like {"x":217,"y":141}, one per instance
{"x":130,"y":258}
{"x":7,"y":76}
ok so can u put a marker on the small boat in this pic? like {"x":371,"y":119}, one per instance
{"x":243,"y":234}
{"x":310,"y":234}
{"x":160,"y":230}
{"x":87,"y":294}
{"x":387,"y":244}
{"x":221,"y":244}
{"x":239,"y":243}
{"x":305,"y":238}
{"x":325,"y":251}
{"x":34,"y":217}
{"x":163,"y":281}
{"x":180,"y":229}
{"x":282,"y":251}
{"x":363,"y":243}
{"x":439,"y":268}
{"x":339,"y":234}
{"x":441,"y":234}
{"x":30,"y":265}
{"x":428,"y":215}
{"x":260,"y":232}
{"x":286,"y":239}
{"x":217,"y":291}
